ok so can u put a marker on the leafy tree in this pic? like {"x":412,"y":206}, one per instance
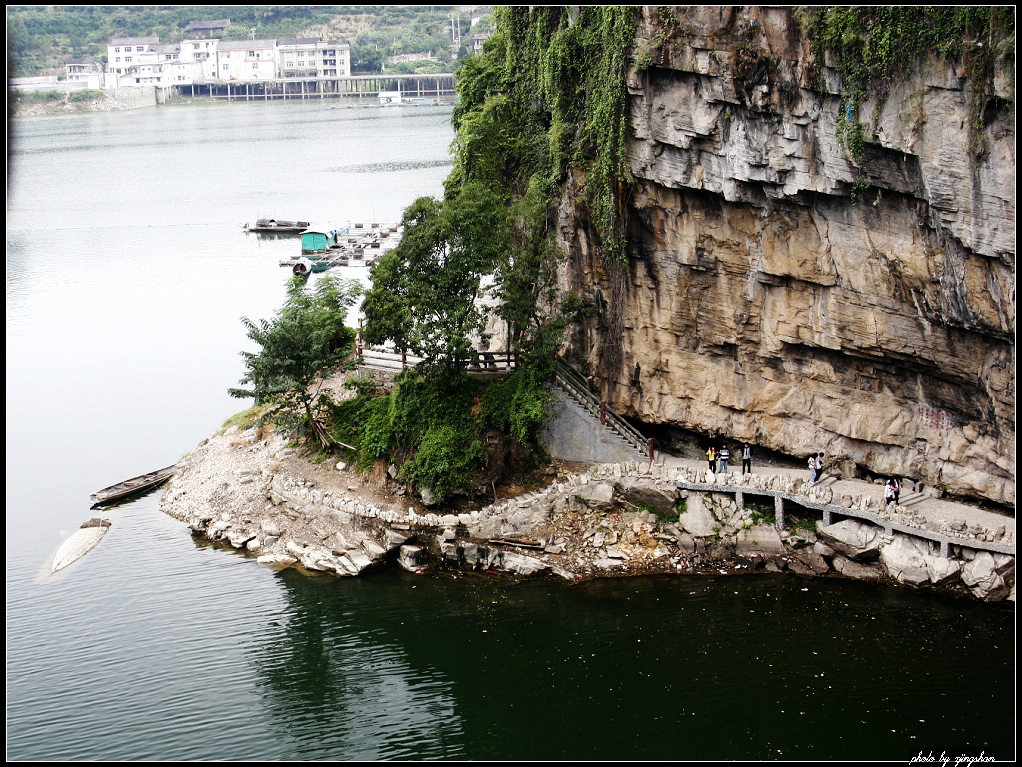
{"x":425,"y":292}
{"x":304,"y":339}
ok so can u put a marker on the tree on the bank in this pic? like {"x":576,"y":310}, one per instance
{"x":306,"y":338}
{"x":425,"y":292}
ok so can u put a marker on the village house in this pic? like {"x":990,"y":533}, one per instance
{"x":144,"y":61}
{"x":203,"y":29}
{"x":313,"y":58}
{"x":87,"y":72}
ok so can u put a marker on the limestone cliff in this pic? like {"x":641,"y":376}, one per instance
{"x":779,"y":292}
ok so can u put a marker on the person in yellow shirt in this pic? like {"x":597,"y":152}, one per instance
{"x":711,"y":457}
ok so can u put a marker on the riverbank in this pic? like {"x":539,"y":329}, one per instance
{"x":100,"y":101}
{"x":250,"y":491}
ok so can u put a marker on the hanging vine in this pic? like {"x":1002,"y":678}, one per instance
{"x":549,"y":96}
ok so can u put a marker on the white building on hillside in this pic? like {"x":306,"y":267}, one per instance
{"x":125,"y":54}
{"x":144,"y":61}
{"x":314,"y":58}
{"x":85,"y":71}
{"x":203,"y":54}
{"x":247,"y":60}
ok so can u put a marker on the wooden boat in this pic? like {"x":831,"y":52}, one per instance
{"x":133,"y":485}
{"x":79,"y":543}
{"x":303,"y":267}
{"x":277,"y":226}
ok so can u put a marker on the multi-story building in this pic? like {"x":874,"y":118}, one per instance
{"x":313,"y":58}
{"x":126,"y":53}
{"x":140,"y":61}
{"x":203,"y":53}
{"x":246,"y":60}
{"x":85,"y":71}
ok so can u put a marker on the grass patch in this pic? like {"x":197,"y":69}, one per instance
{"x":800,"y":524}
{"x":248,"y":419}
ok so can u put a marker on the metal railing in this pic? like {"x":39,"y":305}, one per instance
{"x":580,"y":388}
{"x":485,"y":363}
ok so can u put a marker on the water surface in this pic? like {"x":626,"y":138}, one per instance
{"x":127,"y":275}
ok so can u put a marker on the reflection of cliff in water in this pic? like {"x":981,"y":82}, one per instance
{"x":339,"y":680}
{"x":479,"y":667}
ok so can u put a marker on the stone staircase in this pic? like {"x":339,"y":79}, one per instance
{"x":576,"y":386}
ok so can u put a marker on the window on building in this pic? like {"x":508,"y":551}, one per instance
{"x":117,"y":58}
{"x":255,"y":65}
{"x":127,"y":59}
{"x":117,"y":50}
{"x":251,"y":54}
{"x":139,"y":48}
{"x":226,"y":67}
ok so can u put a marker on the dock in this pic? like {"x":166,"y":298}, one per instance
{"x":350,"y":245}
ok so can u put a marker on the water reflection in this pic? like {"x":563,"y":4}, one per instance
{"x":339,"y":682}
{"x":766,"y":667}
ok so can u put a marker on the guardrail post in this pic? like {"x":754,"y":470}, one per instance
{"x":778,"y":512}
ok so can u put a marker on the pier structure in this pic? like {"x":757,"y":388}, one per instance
{"x":433,"y":86}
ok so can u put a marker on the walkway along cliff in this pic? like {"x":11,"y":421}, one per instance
{"x":249,"y":491}
{"x":785,"y":286}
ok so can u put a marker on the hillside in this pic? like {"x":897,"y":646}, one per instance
{"x":42,"y":38}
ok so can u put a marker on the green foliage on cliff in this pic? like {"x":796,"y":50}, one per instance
{"x":425,"y":292}
{"x":549,"y":95}
{"x":546,"y":97}
{"x":872,"y":45}
{"x":432,"y":426}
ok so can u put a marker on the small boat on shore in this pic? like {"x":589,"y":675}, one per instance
{"x":134,"y":485}
{"x":79,"y":543}
{"x":277,"y":226}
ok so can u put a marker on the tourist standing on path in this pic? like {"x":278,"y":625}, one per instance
{"x":711,"y":457}
{"x":812,"y":467}
{"x":818,"y":465}
{"x":896,"y":487}
{"x":889,"y":492}
{"x":747,"y":459}
{"x":725,"y":456}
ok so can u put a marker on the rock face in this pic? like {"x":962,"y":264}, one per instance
{"x":761,"y":301}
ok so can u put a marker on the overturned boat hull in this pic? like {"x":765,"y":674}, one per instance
{"x":79,"y":543}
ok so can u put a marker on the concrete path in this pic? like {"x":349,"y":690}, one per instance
{"x":935,"y":510}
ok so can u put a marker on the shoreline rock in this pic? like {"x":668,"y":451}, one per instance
{"x":261,"y":497}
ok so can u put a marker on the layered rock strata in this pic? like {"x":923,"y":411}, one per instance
{"x":761,"y":302}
